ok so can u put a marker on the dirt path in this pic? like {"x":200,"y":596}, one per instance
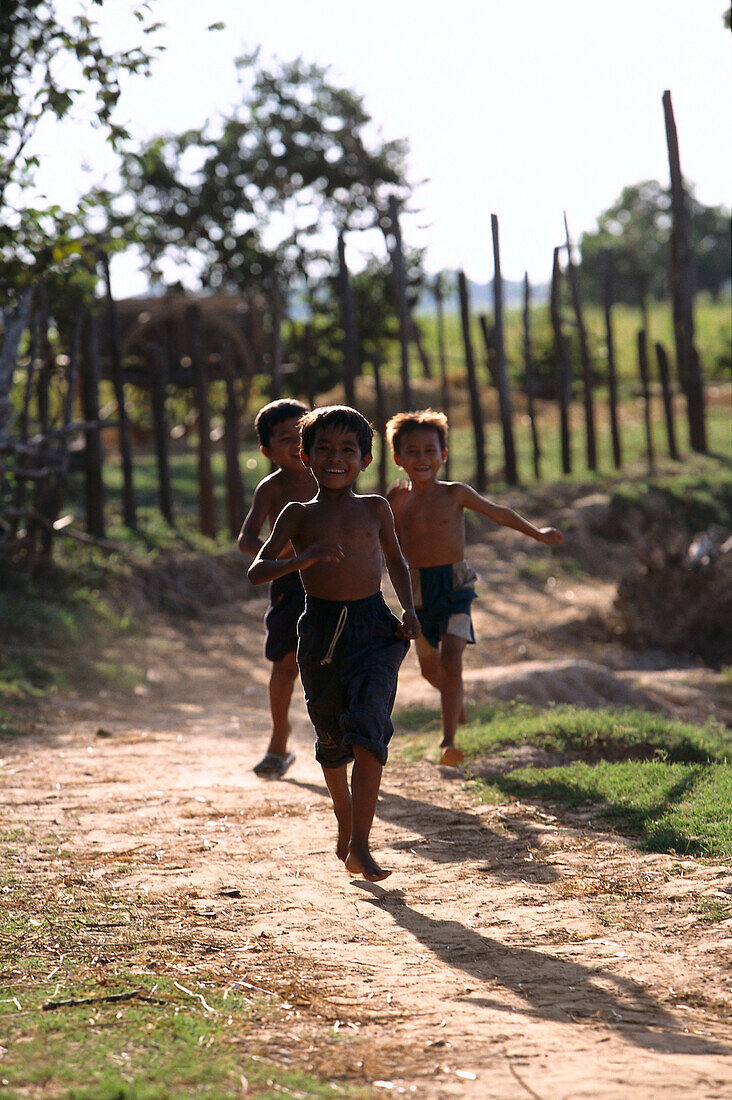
{"x":508,"y":955}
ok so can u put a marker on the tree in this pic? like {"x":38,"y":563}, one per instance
{"x":296,"y":146}
{"x":48,"y":66}
{"x":636,"y":229}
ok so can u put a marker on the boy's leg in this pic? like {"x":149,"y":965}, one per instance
{"x":365,"y":782}
{"x":336,"y":781}
{"x":277,"y":759}
{"x":281,"y":683}
{"x":451,"y":662}
{"x":431,"y":667}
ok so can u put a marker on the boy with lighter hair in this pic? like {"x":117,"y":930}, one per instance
{"x":430,"y":525}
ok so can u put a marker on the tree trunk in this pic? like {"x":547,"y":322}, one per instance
{"x":668,"y":404}
{"x":348,"y":324}
{"x":562,"y":363}
{"x":400,"y":284}
{"x":607,"y":294}
{"x":584,"y":356}
{"x":529,"y":377}
{"x":682,"y":284}
{"x":504,"y":394}
{"x":476,"y":413}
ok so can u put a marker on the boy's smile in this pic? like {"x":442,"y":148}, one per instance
{"x":335,"y":458}
{"x":420,"y":454}
{"x":284,"y":445}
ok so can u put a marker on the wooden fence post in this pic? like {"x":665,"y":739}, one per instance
{"x":158,"y":390}
{"x":504,"y":394}
{"x":400,"y":283}
{"x":444,"y":388}
{"x":348,"y":324}
{"x":668,"y":404}
{"x":584,"y":355}
{"x":607,"y":295}
{"x":380,"y":419}
{"x":93,"y":453}
{"x":481,"y":479}
{"x":643,"y":371}
{"x":275,"y":386}
{"x":129,"y":507}
{"x":682,"y":284}
{"x":421,"y":350}
{"x":206,"y":497}
{"x":307,"y":354}
{"x":530,"y":377}
{"x":235,"y":506}
{"x":562,"y":363}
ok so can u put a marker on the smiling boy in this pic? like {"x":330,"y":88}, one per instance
{"x":350,"y":646}
{"x":276,"y":425}
{"x":430,"y":525}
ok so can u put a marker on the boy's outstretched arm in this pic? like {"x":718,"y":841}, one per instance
{"x":506,"y":517}
{"x":267,"y":565}
{"x":398,"y":571}
{"x":249,"y":541}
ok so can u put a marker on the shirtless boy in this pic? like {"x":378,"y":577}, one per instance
{"x":429,"y":517}
{"x":279,"y":437}
{"x":350,"y":645}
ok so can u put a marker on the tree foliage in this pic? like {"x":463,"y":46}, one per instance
{"x":297,"y":157}
{"x":636,"y":229}
{"x":48,"y":66}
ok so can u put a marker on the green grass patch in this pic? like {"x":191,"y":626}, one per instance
{"x":47,"y":621}
{"x":105,"y":998}
{"x":665,"y":782}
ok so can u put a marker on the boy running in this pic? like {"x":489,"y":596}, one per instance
{"x":429,"y":517}
{"x":350,"y":645}
{"x":279,"y":438}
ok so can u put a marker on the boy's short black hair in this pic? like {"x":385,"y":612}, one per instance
{"x":336,"y":416}
{"x":269,"y":416}
{"x":403,"y":423}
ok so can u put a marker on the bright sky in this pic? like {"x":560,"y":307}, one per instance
{"x":521,"y":108}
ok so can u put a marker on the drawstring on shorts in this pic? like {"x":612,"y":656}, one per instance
{"x":336,"y":635}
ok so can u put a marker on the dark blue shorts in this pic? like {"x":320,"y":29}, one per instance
{"x":349,"y":675}
{"x":286,"y":604}
{"x":442,"y":598}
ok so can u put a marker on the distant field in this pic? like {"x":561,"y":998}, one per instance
{"x":713,"y":334}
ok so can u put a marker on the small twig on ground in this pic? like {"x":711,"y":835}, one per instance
{"x":72,"y":1002}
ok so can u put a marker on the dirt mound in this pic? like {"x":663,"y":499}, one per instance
{"x":540,"y":682}
{"x":679,"y":596}
{"x":192,"y":583}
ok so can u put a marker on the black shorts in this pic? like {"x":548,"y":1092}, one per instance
{"x":286,"y":605}
{"x":349,"y":657}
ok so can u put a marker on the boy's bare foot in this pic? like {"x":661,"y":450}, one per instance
{"x":451,"y":755}
{"x":344,"y":839}
{"x":359,"y":861}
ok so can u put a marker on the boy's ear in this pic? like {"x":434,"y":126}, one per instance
{"x":266,"y":452}
{"x":304,"y":458}
{"x":366,"y":461}
{"x":444,"y":454}
{"x":396,"y":459}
